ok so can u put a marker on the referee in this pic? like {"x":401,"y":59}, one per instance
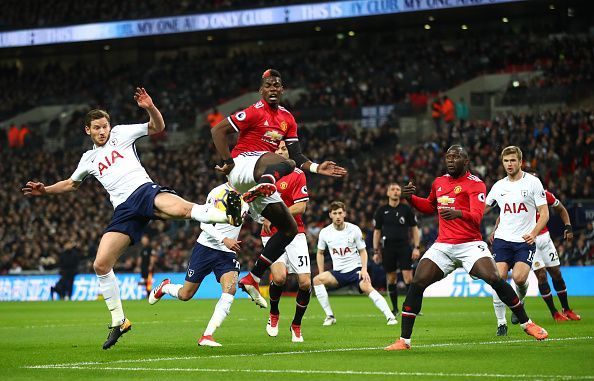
{"x":392,"y":223}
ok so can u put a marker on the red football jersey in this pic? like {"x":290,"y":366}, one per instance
{"x":261,"y":128}
{"x":551,"y":201}
{"x":466,"y":193}
{"x":293,"y":189}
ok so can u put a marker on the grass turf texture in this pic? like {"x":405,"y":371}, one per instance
{"x":455,"y":339}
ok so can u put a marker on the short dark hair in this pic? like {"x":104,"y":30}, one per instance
{"x":271,"y":73}
{"x":94,"y":115}
{"x":337,"y":205}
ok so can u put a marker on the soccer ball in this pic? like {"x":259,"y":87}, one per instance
{"x":220,"y":199}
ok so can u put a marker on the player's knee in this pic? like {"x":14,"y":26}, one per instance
{"x":101,"y":268}
{"x":279,"y":279}
{"x":305,"y":284}
{"x":184,"y":295}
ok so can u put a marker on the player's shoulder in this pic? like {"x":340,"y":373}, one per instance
{"x":473,"y":178}
{"x":353,"y":227}
{"x":88,"y":155}
{"x":532,"y":179}
{"x":284,"y":110}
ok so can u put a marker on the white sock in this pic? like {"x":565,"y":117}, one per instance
{"x":322,"y":296}
{"x":208,"y":214}
{"x":381,"y":303}
{"x":522,"y":290}
{"x":220,"y":313}
{"x":499,"y":307}
{"x":523,"y":325}
{"x":407,"y":341}
{"x":108,"y":284}
{"x":172,"y":289}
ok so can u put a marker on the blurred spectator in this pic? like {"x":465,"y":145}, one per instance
{"x":214,"y":117}
{"x":69,"y":260}
{"x":462,"y":112}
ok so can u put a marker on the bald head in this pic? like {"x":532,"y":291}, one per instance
{"x":457,"y":148}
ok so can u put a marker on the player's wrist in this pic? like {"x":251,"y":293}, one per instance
{"x":568,"y":228}
{"x":313,"y":167}
{"x":228,"y":161}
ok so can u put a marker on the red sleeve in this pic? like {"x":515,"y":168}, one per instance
{"x":551,"y":199}
{"x":425,"y":205}
{"x":244,"y":118}
{"x":292,"y":130}
{"x":300,"y":188}
{"x":476,"y":201}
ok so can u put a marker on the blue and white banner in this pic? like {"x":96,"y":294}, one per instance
{"x":226,"y":20}
{"x":86,"y":286}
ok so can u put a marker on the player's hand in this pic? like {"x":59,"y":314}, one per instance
{"x":416,"y":254}
{"x":33,"y":189}
{"x":450,"y":214}
{"x":408,"y":190}
{"x":568,"y":234}
{"x":142,"y":98}
{"x":225,"y":169}
{"x":266,"y":226}
{"x":329,"y":168}
{"x":232,"y":244}
{"x":364,"y":276}
{"x":377,"y":258}
{"x":530,"y":238}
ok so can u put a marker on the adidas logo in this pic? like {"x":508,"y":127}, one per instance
{"x":266,"y":123}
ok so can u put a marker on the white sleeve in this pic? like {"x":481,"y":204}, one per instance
{"x":492,"y":196}
{"x":359,"y":242}
{"x":212,"y":231}
{"x":540,"y":198}
{"x":82,"y":170}
{"x":130,"y":131}
{"x":322,"y":241}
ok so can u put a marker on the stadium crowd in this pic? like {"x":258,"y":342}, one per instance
{"x":558,"y":145}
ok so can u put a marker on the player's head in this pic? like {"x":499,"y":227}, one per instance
{"x":282,"y":149}
{"x":511,"y":158}
{"x":456,"y":159}
{"x":337,"y":212}
{"x":97,"y":126}
{"x":394,"y":191}
{"x":271,"y":87}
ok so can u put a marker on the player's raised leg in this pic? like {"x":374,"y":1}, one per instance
{"x":485,"y":269}
{"x":170,"y":206}
{"x":320,"y":282}
{"x":280,"y":217}
{"x":111,"y":247}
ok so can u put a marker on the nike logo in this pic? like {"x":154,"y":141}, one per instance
{"x":503,"y":194}
{"x":386,"y":212}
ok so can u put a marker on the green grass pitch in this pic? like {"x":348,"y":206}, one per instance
{"x":455,"y":339}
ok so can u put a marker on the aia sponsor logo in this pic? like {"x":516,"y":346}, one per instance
{"x":515,"y":208}
{"x":106,"y":162}
{"x":341,"y":251}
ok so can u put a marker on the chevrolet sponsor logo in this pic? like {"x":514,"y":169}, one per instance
{"x":446,"y":200}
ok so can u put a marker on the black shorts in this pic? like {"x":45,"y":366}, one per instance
{"x":396,"y":256}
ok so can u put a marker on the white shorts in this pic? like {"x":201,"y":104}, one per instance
{"x":546,"y":253}
{"x":296,"y":255}
{"x":241,"y":179}
{"x":448,"y":257}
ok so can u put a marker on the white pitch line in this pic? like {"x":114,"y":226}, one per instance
{"x":337,"y":372}
{"x":330,"y":350}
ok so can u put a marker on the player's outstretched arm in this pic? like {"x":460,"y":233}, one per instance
{"x":35,"y":189}
{"x":326,"y":168}
{"x":156,"y":122}
{"x":423,"y":205}
{"x":219,"y":137}
{"x":329,"y":168}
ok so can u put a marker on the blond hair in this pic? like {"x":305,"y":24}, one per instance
{"x":512,"y":150}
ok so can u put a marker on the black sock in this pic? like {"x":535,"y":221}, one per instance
{"x":547,"y":296}
{"x":508,"y":296}
{"x":275,"y":295}
{"x":561,"y":289}
{"x":301,"y":302}
{"x":274,"y":172}
{"x":271,"y":252}
{"x":393,"y":292}
{"x":410,"y":309}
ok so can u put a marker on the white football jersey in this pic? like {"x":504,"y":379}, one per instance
{"x":343,"y":245}
{"x":518,"y":201}
{"x":116,"y":164}
{"x":213,"y":234}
